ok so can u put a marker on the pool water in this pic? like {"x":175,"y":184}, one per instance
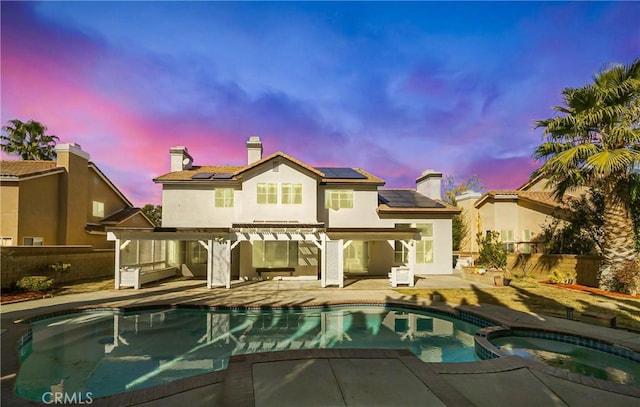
{"x":101,"y":353}
{"x":575,"y":358}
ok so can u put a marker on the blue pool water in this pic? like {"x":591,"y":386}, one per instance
{"x":106,"y":352}
{"x":575,"y":358}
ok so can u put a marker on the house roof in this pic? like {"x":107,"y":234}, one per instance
{"x":115,"y":219}
{"x":27,"y":168}
{"x":122,"y":215}
{"x":187,"y":175}
{"x":541,"y":197}
{"x":237,"y":172}
{"x":409,"y":200}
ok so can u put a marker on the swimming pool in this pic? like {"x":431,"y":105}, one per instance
{"x":106,"y":352}
{"x":572,"y":357}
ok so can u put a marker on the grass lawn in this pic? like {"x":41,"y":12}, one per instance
{"x":531,"y":296}
{"x":525,"y":295}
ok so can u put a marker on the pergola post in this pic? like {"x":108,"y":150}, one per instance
{"x":117,"y":264}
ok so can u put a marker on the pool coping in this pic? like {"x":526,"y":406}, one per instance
{"x":510,"y":320}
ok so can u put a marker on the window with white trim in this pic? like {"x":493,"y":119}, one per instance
{"x":267,"y":193}
{"x":424,"y":247}
{"x":273,"y":254}
{"x":338,"y":199}
{"x":291,"y":194}
{"x":400,"y":252}
{"x":356,"y":256}
{"x":224,"y":198}
{"x":197,"y":254}
{"x":526,"y":239}
{"x":506,"y":237}
{"x":32,"y":241}
{"x":98,"y":209}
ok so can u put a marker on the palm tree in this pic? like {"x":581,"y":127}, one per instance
{"x":28,"y":140}
{"x":595,"y":142}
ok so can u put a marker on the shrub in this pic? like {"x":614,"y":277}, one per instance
{"x":35,"y":283}
{"x":560,"y":277}
{"x":492,"y":253}
{"x":625,"y":278}
{"x":60,"y":268}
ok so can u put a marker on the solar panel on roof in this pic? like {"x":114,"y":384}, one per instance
{"x":202,"y":175}
{"x":406,"y":199}
{"x":222,"y":175}
{"x":341,"y":172}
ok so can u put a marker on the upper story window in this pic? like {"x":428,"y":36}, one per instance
{"x":292,"y":194}
{"x":224,"y":198}
{"x":267,"y":193}
{"x":338,"y":199}
{"x":6,"y":241}
{"x":98,"y":209}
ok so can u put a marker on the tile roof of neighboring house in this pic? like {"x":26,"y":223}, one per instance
{"x":409,"y":200}
{"x":237,"y":171}
{"x":25,"y":168}
{"x":121,"y":215}
{"x":541,"y":197}
{"x":114,"y":219}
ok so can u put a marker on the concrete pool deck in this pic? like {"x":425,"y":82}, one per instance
{"x":338,"y":377}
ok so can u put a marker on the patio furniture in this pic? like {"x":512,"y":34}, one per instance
{"x":135,"y":277}
{"x":401,"y":275}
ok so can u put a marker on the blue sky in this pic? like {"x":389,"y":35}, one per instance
{"x":391,"y":87}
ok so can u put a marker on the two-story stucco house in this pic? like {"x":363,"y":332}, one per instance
{"x":518,"y":215}
{"x":279,"y":217}
{"x":64,"y":202}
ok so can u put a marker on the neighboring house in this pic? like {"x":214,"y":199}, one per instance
{"x":277,"y":216}
{"x":64,"y":202}
{"x":517,"y":215}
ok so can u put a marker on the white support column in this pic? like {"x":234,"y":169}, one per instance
{"x":219,"y":268}
{"x":332,"y":267}
{"x":323,"y":262}
{"x":209,"y":247}
{"x":411,"y":249}
{"x":117,"y":264}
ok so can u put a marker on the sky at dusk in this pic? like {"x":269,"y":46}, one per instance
{"x":393,"y":88}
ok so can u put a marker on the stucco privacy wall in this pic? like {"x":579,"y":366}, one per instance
{"x":86,"y":263}
{"x":585,"y":268}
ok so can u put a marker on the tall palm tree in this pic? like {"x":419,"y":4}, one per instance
{"x":28,"y":140}
{"x":595,"y":142}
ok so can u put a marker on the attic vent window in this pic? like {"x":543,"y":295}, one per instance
{"x":276,"y":167}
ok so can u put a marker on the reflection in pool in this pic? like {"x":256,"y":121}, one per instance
{"x":575,"y":358}
{"x":104,"y":352}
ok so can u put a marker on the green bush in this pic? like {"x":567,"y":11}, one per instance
{"x":492,"y":253}
{"x":35,"y":283}
{"x":558,"y":277}
{"x":625,"y":278}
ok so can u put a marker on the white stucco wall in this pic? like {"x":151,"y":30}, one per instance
{"x":192,"y":206}
{"x":363,"y":214}
{"x":302,"y":213}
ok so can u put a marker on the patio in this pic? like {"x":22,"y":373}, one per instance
{"x":503,"y":381}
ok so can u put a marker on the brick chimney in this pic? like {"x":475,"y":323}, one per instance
{"x":254,"y":149}
{"x":429,"y":184}
{"x":180,"y":159}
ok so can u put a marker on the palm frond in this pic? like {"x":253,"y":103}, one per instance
{"x":611,"y":161}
